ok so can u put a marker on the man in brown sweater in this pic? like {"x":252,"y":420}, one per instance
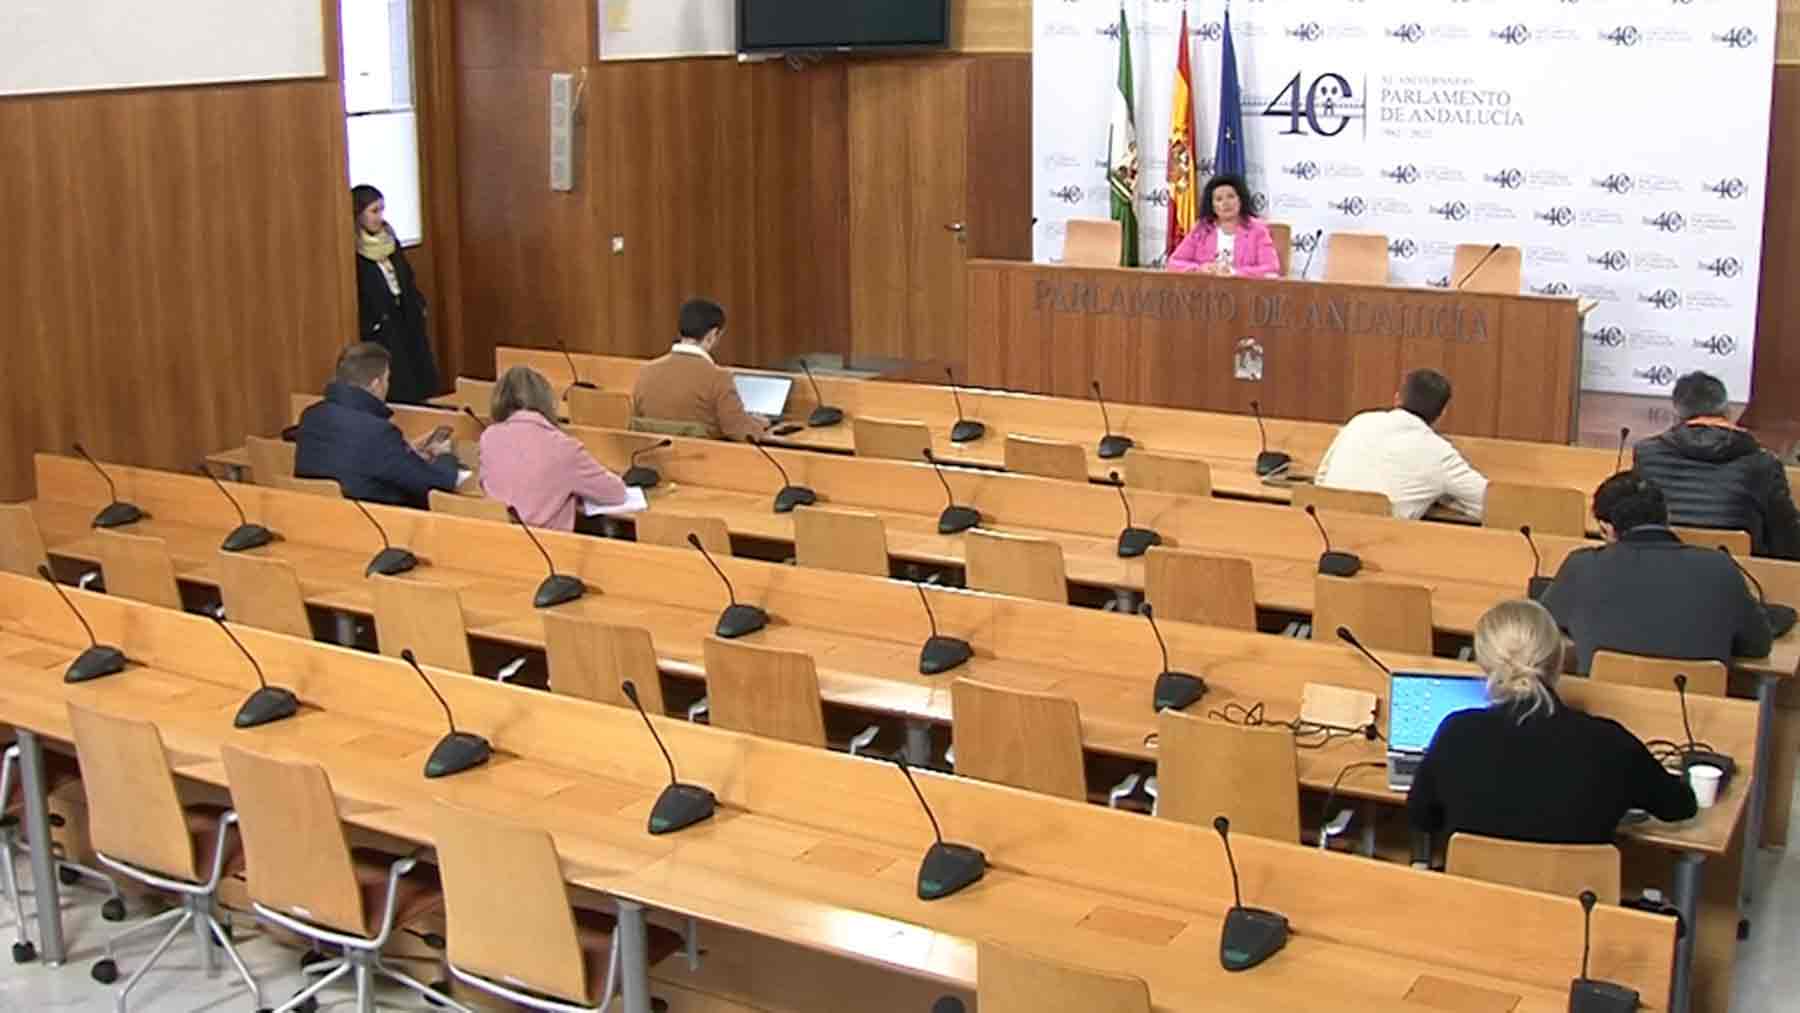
{"x":687,"y":386}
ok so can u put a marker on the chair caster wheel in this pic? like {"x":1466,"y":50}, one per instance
{"x":106,"y":972}
{"x":441,"y":988}
{"x":67,"y":876}
{"x":24,"y":953}
{"x":113,"y":910}
{"x":659,"y":1005}
{"x":1743,"y":929}
{"x":311,"y":957}
{"x":311,"y":1005}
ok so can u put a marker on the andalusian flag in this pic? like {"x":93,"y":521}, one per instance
{"x":1184,"y":186}
{"x":1122,"y":152}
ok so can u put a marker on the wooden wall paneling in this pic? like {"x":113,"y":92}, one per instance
{"x":1775,"y":375}
{"x":999,"y":157}
{"x":1787,"y":24}
{"x":438,"y":261}
{"x":991,"y":26}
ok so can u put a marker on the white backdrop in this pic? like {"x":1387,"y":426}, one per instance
{"x":1622,"y":144}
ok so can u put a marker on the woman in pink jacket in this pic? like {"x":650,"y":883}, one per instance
{"x":1228,"y":240}
{"x":530,"y":464}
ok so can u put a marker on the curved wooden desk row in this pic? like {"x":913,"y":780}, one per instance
{"x":820,"y":848}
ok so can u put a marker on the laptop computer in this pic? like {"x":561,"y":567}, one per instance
{"x":764,"y":394}
{"x":1417,"y":703}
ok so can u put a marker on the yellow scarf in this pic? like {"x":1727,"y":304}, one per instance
{"x":377,"y":248}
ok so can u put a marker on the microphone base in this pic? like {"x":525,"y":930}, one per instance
{"x":740,"y":621}
{"x":1340,"y":564}
{"x":639,"y":477}
{"x":1701,"y":757}
{"x":96,"y":662}
{"x":1176,"y":691}
{"x":118,"y":514}
{"x":1589,"y":996}
{"x":681,"y":806}
{"x":967,"y":431}
{"x":391,"y":563}
{"x":1113,"y":445}
{"x":1134,"y":542}
{"x":948,"y":868}
{"x":957,"y":519}
{"x":270,"y":703}
{"x":792,"y":496}
{"x":558,"y":589}
{"x":457,"y":752}
{"x":1537,"y":587}
{"x":247,"y":536}
{"x":824,"y":416}
{"x":1251,"y":936}
{"x":1271,"y":461}
{"x":941,"y":654}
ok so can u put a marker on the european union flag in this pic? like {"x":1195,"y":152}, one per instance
{"x":1228,"y":154}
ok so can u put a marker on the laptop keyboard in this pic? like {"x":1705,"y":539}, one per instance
{"x":1401,"y":770}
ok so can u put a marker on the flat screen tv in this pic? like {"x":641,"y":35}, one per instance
{"x":790,"y":26}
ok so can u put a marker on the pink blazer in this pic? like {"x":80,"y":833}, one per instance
{"x":539,"y":470}
{"x":1253,"y":256}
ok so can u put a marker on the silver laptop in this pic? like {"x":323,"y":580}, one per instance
{"x":764,"y":394}
{"x":1418,"y":702}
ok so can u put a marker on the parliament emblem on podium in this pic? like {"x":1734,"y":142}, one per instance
{"x":1247,"y":361}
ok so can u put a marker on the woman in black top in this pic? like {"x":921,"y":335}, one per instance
{"x":1527,"y":767}
{"x":390,"y":307}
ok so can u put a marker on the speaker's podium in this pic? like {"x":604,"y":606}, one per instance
{"x":1305,"y":349}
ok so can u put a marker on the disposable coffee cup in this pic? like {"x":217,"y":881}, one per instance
{"x":1704,"y":779}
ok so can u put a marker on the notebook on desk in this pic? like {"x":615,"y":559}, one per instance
{"x":1418,"y":702}
{"x":764,"y":395}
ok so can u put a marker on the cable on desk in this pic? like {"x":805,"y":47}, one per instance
{"x":1307,"y":734}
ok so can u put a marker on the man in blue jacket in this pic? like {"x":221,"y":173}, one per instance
{"x":349,"y":437}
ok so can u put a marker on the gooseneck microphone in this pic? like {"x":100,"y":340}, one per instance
{"x":1173,"y":690}
{"x":966,"y":429}
{"x":1344,"y":634}
{"x":574,"y":373}
{"x":1133,"y":541}
{"x":947,"y":867}
{"x":1698,"y":754}
{"x":790,"y":495}
{"x":1781,"y":617}
{"x":640,"y":476}
{"x":457,"y":751}
{"x":246,"y":535}
{"x":118,"y":513}
{"x":1251,"y":935}
{"x":737,"y":620}
{"x":470,"y":412}
{"x":1587,"y":995}
{"x":1317,"y":235}
{"x":940,"y":653}
{"x":1479,"y":264}
{"x":680,"y":805}
{"x":557,"y":588}
{"x":269,"y":703}
{"x":1331,"y":563}
{"x":955,"y":518}
{"x":824,"y":415}
{"x":99,"y":659}
{"x":1111,"y":445}
{"x":390,"y":561}
{"x":1619,"y":458}
{"x":1268,"y":462}
{"x":1538,"y":585}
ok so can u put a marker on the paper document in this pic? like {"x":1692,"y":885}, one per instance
{"x":634,"y":503}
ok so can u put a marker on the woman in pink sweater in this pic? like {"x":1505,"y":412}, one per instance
{"x":1228,"y":239}
{"x":530,"y":464}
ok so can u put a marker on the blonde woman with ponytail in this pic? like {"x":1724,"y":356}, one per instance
{"x":1528,"y":767}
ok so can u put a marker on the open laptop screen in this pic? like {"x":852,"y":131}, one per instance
{"x":762,"y":393}
{"x":1420,"y":701}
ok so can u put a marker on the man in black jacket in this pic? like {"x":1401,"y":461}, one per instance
{"x":1715,"y":475}
{"x":1646,"y":593}
{"x":349,"y":437}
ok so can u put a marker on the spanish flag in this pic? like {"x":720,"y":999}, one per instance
{"x":1184,"y":184}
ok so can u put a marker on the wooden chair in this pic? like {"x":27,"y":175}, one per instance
{"x":1090,"y":242}
{"x":660,"y":527}
{"x":21,"y":544}
{"x":304,"y":877}
{"x":264,"y":592}
{"x":1028,"y":740}
{"x":1283,"y":236}
{"x":848,"y":541}
{"x":270,"y":459}
{"x":1561,"y":869}
{"x":1029,"y":455}
{"x":476,"y":394}
{"x":137,"y":567}
{"x":589,"y":659}
{"x":604,"y":409}
{"x":1549,"y":510}
{"x":1017,"y":565}
{"x":1384,"y":615}
{"x":423,"y":617}
{"x":769,"y":692}
{"x":1008,"y":981}
{"x":1194,"y":587}
{"x":1170,"y":473}
{"x":1502,"y":274}
{"x":1715,"y":538}
{"x":479,"y":508}
{"x":1357,"y":257}
{"x":517,"y":935}
{"x":1707,"y":677}
{"x":892,"y":439}
{"x":1207,"y":768}
{"x":1350,"y":501}
{"x":325,"y":487}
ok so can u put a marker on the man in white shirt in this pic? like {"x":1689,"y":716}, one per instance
{"x":1398,"y":454}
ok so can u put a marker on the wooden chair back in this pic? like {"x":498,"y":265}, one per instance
{"x":1171,"y":473}
{"x":263,"y":592}
{"x":1028,"y":740}
{"x":602,"y":409}
{"x":589,"y":659}
{"x":1549,"y":510}
{"x":296,"y":854}
{"x":660,"y":527}
{"x":1708,"y":677}
{"x":1193,"y":587}
{"x":506,"y":908}
{"x":1283,"y":236}
{"x":1016,"y":565}
{"x":134,"y":812}
{"x":764,"y":691}
{"x":1207,"y":768}
{"x":1715,"y":538}
{"x":1091,"y":242}
{"x":1561,"y":869}
{"x":21,"y":544}
{"x":270,"y":459}
{"x":476,"y":394}
{"x":849,"y":541}
{"x":1008,"y":981}
{"x":1502,"y":274}
{"x":1384,"y":615}
{"x":1358,"y":257}
{"x":1031,"y":455}
{"x":324,"y":487}
{"x":1350,"y":501}
{"x":893,"y":439}
{"x":137,"y":567}
{"x":424,"y":617}
{"x":669,"y":427}
{"x":479,"y":508}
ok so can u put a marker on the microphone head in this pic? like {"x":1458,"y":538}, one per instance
{"x":1312,"y":511}
{"x":1624,"y":433}
{"x":1113,"y":477}
{"x":1681,"y":681}
{"x":44,"y":572}
{"x":929,"y":456}
{"x":1255,"y":405}
{"x":1096,"y":385}
{"x":1222,"y":825}
{"x":694,"y":540}
{"x":659,"y":444}
{"x":514,"y":514}
{"x":629,"y":688}
{"x":407,"y":656}
{"x":1344,"y":634}
{"x":1147,"y":611}
{"x":79,"y":449}
{"x":1525,"y":529}
{"x":1588,"y":900}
